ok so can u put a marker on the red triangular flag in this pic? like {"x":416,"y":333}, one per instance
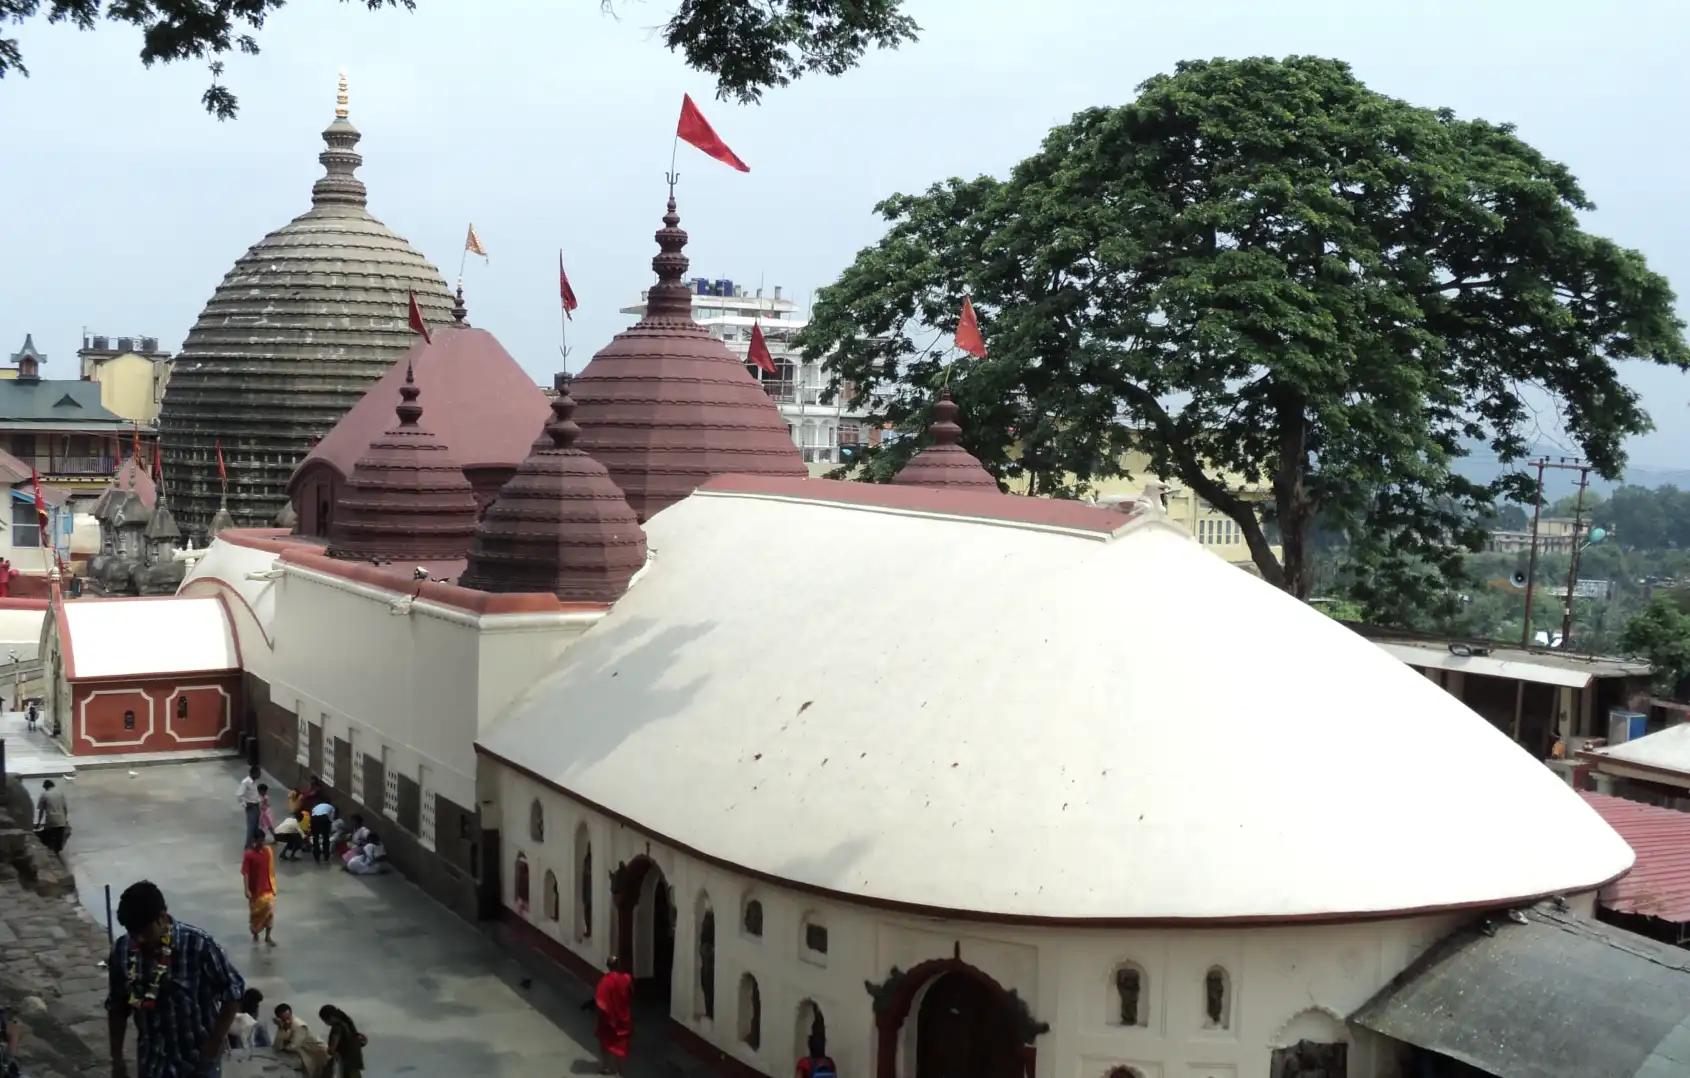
{"x":222,"y":469}
{"x":566,"y":293}
{"x":758,"y":353}
{"x":968,"y":331}
{"x":417,"y":324}
{"x":697,"y":131}
{"x":158,"y":464}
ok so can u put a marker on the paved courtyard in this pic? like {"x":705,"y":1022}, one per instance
{"x":434,"y":995}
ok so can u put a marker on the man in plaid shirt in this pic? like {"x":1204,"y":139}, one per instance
{"x":179,"y":986}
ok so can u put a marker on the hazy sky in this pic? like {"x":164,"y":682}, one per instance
{"x":549,"y":124}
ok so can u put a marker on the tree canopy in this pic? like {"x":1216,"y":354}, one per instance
{"x":1262,"y":272}
{"x":748,"y":47}
{"x":1661,"y":634}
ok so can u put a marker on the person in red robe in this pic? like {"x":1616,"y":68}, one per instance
{"x":614,"y":1000}
{"x":7,"y":575}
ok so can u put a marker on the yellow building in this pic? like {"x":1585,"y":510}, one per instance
{"x":1209,"y":526}
{"x":132,"y":373}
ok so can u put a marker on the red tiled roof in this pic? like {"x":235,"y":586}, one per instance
{"x":1658,"y":885}
{"x":484,"y":408}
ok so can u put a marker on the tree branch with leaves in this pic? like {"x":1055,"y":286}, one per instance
{"x":1260,"y":272}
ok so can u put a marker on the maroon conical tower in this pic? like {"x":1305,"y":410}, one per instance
{"x":664,"y":406}
{"x":559,"y":524}
{"x":944,"y":463}
{"x":406,"y":499}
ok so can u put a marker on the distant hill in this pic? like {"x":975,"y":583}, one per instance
{"x":1558,"y":483}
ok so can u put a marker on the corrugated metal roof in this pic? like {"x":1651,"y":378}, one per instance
{"x":1549,"y":995}
{"x":1658,"y":885}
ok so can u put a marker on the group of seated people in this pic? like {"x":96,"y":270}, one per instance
{"x":292,"y":1039}
{"x":312,"y":820}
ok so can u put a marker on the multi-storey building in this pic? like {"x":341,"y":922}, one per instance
{"x":131,"y":372}
{"x":827,"y":431}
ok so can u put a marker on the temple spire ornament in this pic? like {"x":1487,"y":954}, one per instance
{"x":944,"y":463}
{"x":665,"y":406}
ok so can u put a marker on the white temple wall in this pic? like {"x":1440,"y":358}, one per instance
{"x":1281,"y":980}
{"x":222,"y":571}
{"x":416,"y":681}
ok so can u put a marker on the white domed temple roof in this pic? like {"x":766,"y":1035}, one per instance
{"x":964,"y":702}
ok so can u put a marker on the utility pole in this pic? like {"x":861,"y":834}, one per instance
{"x":1568,"y":464}
{"x":1531,"y":562}
{"x":1573,"y":567}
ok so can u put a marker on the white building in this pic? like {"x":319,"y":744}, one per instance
{"x":826,"y":431}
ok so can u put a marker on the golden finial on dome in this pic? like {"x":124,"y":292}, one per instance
{"x":340,"y":98}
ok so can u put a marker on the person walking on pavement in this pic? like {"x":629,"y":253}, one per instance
{"x":322,"y":832}
{"x":52,"y":818}
{"x":177,"y":984}
{"x":258,"y":876}
{"x":613,"y":999}
{"x":346,"y":1044}
{"x":247,"y":794}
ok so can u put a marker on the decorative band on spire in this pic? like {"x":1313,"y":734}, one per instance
{"x":944,"y":463}
{"x":670,"y":297}
{"x":340,"y":160}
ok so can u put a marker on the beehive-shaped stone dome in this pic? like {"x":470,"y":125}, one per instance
{"x":296,"y":332}
{"x":559,"y":524}
{"x":944,"y":463}
{"x":406,"y":499}
{"x":664,"y":406}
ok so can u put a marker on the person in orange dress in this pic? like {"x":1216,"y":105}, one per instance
{"x":258,"y":874}
{"x":614,"y":1000}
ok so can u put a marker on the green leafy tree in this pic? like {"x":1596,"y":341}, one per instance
{"x":1661,"y":634}
{"x":1263,"y":269}
{"x":749,"y":47}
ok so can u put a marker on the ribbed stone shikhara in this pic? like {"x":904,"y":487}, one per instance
{"x":664,"y":406}
{"x":944,"y":463}
{"x":559,"y":524}
{"x":306,"y":321}
{"x":406,"y":499}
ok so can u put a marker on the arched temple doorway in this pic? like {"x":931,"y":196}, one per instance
{"x":645,"y":927}
{"x":953,"y":1021}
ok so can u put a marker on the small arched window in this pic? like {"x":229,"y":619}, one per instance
{"x":750,"y":1011}
{"x":1132,"y":996}
{"x":181,"y":707}
{"x":521,"y":888}
{"x":1123,"y":1071}
{"x":583,"y":884}
{"x":129,"y":720}
{"x":536,"y":821}
{"x":752,"y":920}
{"x":551,"y":895}
{"x":1217,"y":999}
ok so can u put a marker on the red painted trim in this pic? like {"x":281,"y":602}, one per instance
{"x":145,"y":677}
{"x":22,"y":603}
{"x":272,"y":540}
{"x":231,"y":590}
{"x":459,"y":598}
{"x":1333,"y":917}
{"x":1012,"y":508}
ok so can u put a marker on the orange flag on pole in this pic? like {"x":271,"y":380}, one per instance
{"x":222,"y":469}
{"x":696,"y":130}
{"x":758,"y":353}
{"x":968,"y":331}
{"x":565,"y":293}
